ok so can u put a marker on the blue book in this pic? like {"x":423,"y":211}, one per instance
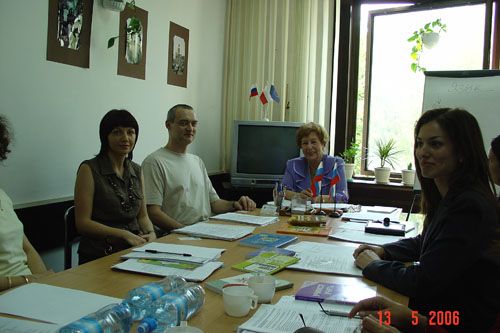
{"x":277,"y":250}
{"x":266,"y":239}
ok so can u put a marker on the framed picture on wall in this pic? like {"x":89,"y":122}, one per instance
{"x":178,"y":47}
{"x":132,"y":44}
{"x":68,"y":32}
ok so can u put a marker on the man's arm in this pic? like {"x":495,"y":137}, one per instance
{"x":161,"y":219}
{"x":220,"y":206}
{"x":35,"y":262}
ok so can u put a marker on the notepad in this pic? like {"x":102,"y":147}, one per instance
{"x":216,"y":231}
{"x":246,"y":218}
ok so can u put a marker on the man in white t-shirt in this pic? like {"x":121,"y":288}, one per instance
{"x":177,"y":188}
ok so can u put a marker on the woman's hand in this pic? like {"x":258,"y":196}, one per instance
{"x":365,"y":258}
{"x":132,"y":239}
{"x":307,"y":193}
{"x":149,"y":237}
{"x":379,"y":251}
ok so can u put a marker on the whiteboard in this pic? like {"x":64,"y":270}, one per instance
{"x":475,"y":91}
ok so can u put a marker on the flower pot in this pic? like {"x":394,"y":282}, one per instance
{"x":382,"y":175}
{"x":349,"y":170}
{"x":114,"y":5}
{"x":408,"y":177}
{"x":430,"y":39}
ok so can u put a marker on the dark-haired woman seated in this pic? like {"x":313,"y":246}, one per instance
{"x":456,"y":260}
{"x":494,"y":160}
{"x":20,"y":263}
{"x":110,"y":211}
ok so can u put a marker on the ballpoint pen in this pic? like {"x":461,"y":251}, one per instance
{"x":338,"y":313}
{"x":165,"y":252}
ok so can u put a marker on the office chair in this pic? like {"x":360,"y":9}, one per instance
{"x":71,"y":236}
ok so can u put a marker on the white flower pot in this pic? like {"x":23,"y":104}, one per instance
{"x":430,"y":39}
{"x":349,"y":170}
{"x":114,"y":5}
{"x":382,"y":175}
{"x":408,"y":177}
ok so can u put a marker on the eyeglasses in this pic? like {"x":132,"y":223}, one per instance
{"x":341,"y":314}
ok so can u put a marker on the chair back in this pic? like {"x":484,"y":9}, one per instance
{"x":71,"y":236}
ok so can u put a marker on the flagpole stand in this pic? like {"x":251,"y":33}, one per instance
{"x":264,"y":114}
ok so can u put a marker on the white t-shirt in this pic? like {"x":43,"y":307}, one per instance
{"x":178,"y":183}
{"x":13,"y":260}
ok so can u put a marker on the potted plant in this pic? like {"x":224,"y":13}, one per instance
{"x":385,"y":151}
{"x":408,"y":175}
{"x":349,"y":155}
{"x":427,"y":36}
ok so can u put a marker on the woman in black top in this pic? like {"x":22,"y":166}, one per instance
{"x":455,"y":262}
{"x":494,"y":160}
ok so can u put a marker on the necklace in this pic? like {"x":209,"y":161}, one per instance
{"x":127,"y":203}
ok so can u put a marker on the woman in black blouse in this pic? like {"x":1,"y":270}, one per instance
{"x":454,"y":262}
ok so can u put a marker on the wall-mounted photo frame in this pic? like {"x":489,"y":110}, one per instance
{"x":68,"y":32}
{"x":178,"y":47}
{"x":132,"y":43}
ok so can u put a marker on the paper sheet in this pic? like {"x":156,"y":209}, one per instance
{"x":276,"y":319}
{"x":355,"y":232}
{"x":197,"y":274}
{"x":12,"y":325}
{"x":325,"y":258}
{"x":208,"y":253}
{"x":246,"y":218}
{"x":216,"y":231}
{"x":52,"y":304}
{"x":364,"y":214}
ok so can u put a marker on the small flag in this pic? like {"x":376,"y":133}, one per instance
{"x":316,"y":181}
{"x":254,"y":91}
{"x":264,"y":96}
{"x":335,"y":178}
{"x":274,"y":94}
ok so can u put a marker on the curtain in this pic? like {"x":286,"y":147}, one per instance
{"x":287,"y":43}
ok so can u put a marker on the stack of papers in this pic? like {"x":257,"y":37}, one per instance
{"x":324,"y":258}
{"x":175,"y":252}
{"x":373,"y":213}
{"x":355,"y":232}
{"x":246,"y":218}
{"x":216,"y":231}
{"x":285,"y":317}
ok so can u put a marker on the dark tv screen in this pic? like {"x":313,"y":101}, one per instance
{"x":265,"y":149}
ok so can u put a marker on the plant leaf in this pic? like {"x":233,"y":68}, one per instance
{"x":111,"y":41}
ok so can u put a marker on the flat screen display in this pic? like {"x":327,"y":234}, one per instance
{"x":265,"y":149}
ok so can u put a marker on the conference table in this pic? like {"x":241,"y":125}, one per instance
{"x":98,"y":277}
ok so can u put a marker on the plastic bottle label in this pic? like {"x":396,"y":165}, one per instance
{"x":156,"y":291}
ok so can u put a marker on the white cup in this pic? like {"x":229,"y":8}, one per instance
{"x":238,"y":300}
{"x":264,"y":286}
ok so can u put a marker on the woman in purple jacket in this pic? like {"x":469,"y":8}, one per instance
{"x":301,"y":171}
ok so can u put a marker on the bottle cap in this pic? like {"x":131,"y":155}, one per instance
{"x":183,"y":328}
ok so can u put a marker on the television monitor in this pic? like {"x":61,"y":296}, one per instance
{"x":260,"y":150}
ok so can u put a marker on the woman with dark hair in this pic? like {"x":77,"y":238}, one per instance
{"x":455,"y":266}
{"x":110,"y":211}
{"x":494,"y":160}
{"x":20,"y":263}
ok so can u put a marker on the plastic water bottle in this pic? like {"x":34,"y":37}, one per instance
{"x":140,"y":298}
{"x":113,"y":318}
{"x":172,"y":308}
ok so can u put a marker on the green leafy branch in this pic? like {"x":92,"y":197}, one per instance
{"x":435,"y":26}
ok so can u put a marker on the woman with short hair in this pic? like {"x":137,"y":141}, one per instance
{"x":301,"y":171}
{"x":110,"y":211}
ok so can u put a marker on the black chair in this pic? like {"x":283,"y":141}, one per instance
{"x":71,"y":236}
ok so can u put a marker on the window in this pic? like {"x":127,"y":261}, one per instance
{"x":386,"y":97}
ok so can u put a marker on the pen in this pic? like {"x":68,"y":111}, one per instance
{"x":180,"y":254}
{"x":338,"y":313}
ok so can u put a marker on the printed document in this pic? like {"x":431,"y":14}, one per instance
{"x":246,"y":218}
{"x":277,"y":319}
{"x":175,"y":252}
{"x":355,"y":232}
{"x":216,"y":231}
{"x":12,"y":325}
{"x":324,"y":258}
{"x":52,"y":304}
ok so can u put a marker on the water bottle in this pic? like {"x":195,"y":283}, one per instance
{"x":140,"y":298}
{"x":113,"y":318}
{"x":172,"y":308}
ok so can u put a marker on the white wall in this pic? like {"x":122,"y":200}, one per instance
{"x":55,"y":109}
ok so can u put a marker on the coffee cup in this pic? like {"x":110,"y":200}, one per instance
{"x":238,"y":300}
{"x":264,"y":286}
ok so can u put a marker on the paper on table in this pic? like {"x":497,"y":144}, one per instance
{"x":277,"y":319}
{"x":217,"y":231}
{"x":195,"y":251}
{"x":355,"y":232}
{"x":324,"y":258}
{"x":381,"y":209}
{"x":197,"y":274}
{"x":366,"y":215}
{"x":12,"y":325}
{"x":246,"y":218}
{"x":52,"y":304}
{"x":329,"y":205}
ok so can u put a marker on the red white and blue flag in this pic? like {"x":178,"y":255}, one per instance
{"x":254,"y":91}
{"x":274,"y":94}
{"x":335,"y":178}
{"x":316,"y":181}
